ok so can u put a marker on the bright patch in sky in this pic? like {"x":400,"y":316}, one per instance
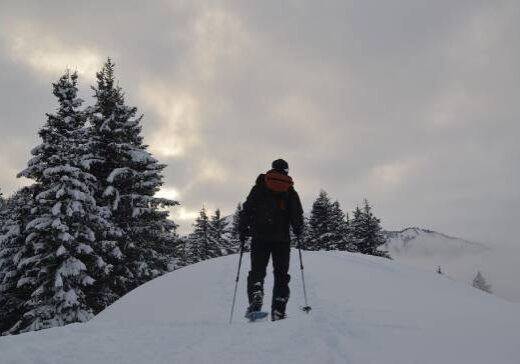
{"x":391,"y":173}
{"x":169,"y":193}
{"x":178,"y":111}
{"x":45,"y":53}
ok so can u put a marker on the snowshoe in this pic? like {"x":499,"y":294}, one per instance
{"x":254,"y":311}
{"x":256,"y":315}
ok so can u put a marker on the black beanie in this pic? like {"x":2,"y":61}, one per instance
{"x":280,"y":165}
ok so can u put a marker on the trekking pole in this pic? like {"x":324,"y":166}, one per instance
{"x":306,"y":308}
{"x":242,"y":241}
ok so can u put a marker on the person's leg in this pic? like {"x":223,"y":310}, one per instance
{"x":281,"y":257}
{"x":255,"y":281}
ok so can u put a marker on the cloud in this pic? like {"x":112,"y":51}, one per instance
{"x":9,"y":170}
{"x":178,"y":132}
{"x":411,"y":104}
{"x":217,"y":36}
{"x":390,"y":174}
{"x":43,"y":52}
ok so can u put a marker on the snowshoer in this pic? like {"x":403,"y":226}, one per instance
{"x":272,"y":207}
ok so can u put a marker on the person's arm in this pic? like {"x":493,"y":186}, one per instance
{"x":247,"y":213}
{"x":296,"y":211}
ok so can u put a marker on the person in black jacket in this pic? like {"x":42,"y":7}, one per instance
{"x":272,"y":207}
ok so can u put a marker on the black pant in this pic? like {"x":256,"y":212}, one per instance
{"x":260,"y":253}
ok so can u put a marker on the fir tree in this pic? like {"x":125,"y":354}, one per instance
{"x":350,"y":240}
{"x":200,"y":244}
{"x":128,"y":178}
{"x":366,"y":231}
{"x":234,"y":231}
{"x":14,"y":218}
{"x":339,"y":226}
{"x":180,"y":253}
{"x":219,"y":232}
{"x":480,"y":283}
{"x":59,"y":264}
{"x":320,"y":235}
{"x":328,"y":228}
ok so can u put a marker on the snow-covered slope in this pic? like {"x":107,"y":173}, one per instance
{"x":365,"y":310}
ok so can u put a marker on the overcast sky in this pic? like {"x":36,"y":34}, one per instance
{"x":411,"y":104}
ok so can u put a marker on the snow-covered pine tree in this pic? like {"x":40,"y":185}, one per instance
{"x":320,"y":235}
{"x":59,"y":264}
{"x":3,"y":213}
{"x":219,"y":235}
{"x":234,"y":232}
{"x":128,"y":179}
{"x":480,"y":282}
{"x":366,"y":231}
{"x":357,"y":228}
{"x":14,"y":218}
{"x":340,"y":234}
{"x":199,"y":241}
{"x":181,"y":252}
{"x":351,"y":245}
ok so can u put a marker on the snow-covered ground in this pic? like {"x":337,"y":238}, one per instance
{"x":365,"y":310}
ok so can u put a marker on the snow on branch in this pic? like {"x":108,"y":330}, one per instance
{"x":118,"y":172}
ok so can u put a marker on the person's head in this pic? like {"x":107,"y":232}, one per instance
{"x":281,"y":166}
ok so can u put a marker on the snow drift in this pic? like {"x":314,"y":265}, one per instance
{"x":365,"y":310}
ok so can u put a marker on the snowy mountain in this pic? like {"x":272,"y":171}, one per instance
{"x":422,"y":243}
{"x":458,"y":258}
{"x":365,"y":310}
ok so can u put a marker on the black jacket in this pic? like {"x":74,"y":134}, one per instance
{"x":271,"y":208}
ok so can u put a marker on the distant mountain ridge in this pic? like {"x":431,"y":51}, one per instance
{"x":416,"y":231}
{"x":424,"y":243}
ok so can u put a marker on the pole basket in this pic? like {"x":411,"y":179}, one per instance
{"x":306,"y":309}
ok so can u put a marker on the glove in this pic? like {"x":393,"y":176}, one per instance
{"x":242,"y":236}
